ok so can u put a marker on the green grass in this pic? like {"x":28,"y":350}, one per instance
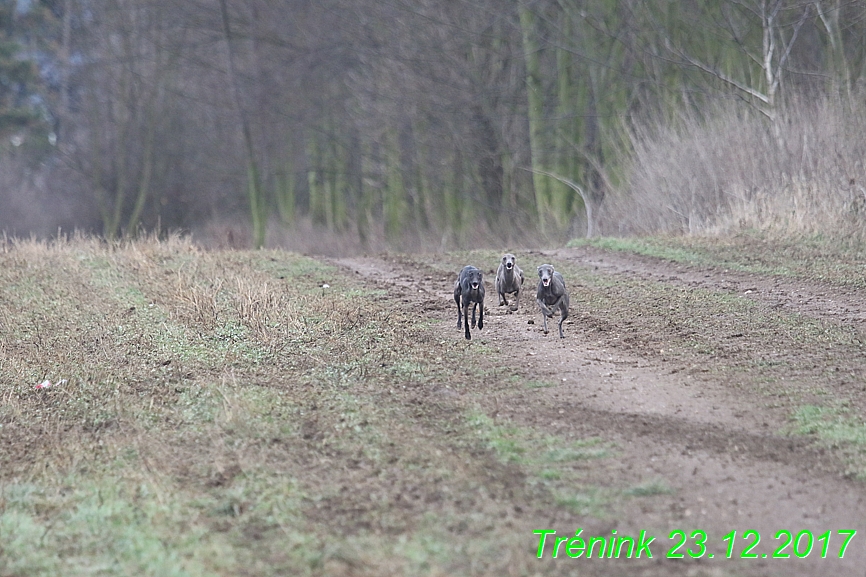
{"x":513,"y":444}
{"x":808,"y":258}
{"x":537,"y":384}
{"x":836,"y":427}
{"x":110,"y":528}
{"x":552,"y":462}
{"x":592,"y":501}
{"x":224,"y":416}
{"x":649,"y":489}
{"x":647,"y":247}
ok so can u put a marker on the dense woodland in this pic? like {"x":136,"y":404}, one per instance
{"x":391,"y":121}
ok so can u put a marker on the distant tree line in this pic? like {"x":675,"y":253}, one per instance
{"x":377,"y":119}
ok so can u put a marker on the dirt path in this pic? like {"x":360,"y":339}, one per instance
{"x":682,"y":427}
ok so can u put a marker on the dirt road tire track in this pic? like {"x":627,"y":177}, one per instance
{"x":718,"y":450}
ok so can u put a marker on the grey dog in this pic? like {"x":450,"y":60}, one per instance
{"x":469,"y":288}
{"x":509,"y":279}
{"x":552,"y":295}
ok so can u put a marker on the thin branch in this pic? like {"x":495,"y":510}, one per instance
{"x":790,"y":44}
{"x":717,"y":73}
{"x":571,"y":184}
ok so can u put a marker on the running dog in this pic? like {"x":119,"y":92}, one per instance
{"x":469,"y":288}
{"x":509,"y":279}
{"x":551,"y":295}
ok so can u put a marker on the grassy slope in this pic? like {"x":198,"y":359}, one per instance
{"x":224,"y":414}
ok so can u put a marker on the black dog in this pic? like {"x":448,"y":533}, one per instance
{"x":469,"y":288}
{"x":551,"y":295}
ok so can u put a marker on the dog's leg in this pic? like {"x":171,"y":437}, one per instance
{"x":563,"y":309}
{"x":481,"y":315}
{"x":474,"y":307}
{"x":545,"y":312}
{"x":457,"y":295}
{"x":557,"y":305}
{"x":466,"y":317}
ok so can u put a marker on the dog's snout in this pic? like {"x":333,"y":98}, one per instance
{"x":509,"y":265}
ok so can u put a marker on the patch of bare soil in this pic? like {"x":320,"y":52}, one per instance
{"x":708,"y":448}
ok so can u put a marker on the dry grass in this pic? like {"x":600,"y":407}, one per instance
{"x":729,"y":171}
{"x":223,"y":414}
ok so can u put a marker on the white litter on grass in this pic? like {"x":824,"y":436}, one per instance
{"x":47,"y":383}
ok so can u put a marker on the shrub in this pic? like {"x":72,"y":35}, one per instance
{"x":730,"y":169}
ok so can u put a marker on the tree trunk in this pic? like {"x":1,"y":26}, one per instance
{"x":535,"y":114}
{"x":254,"y":187}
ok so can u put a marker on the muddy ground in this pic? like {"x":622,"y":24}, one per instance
{"x":694,"y":374}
